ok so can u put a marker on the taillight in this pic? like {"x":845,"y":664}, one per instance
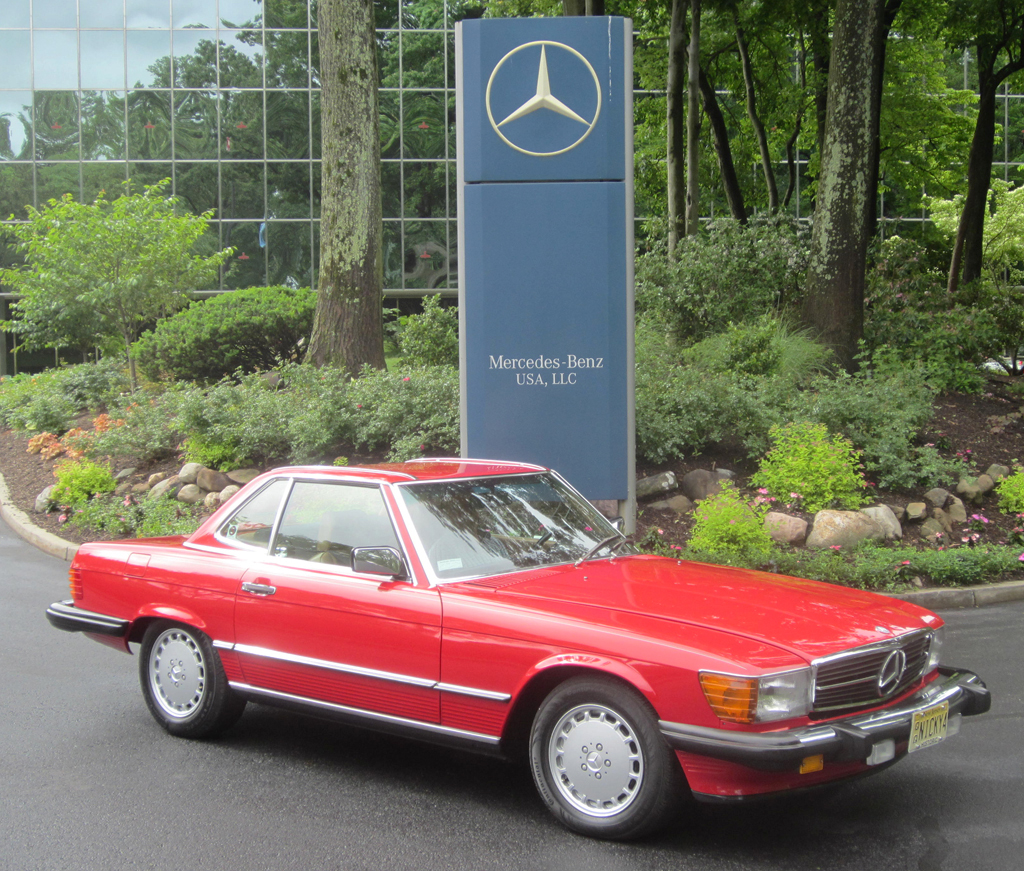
{"x":75,"y":582}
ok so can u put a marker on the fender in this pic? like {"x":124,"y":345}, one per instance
{"x":593,"y":662}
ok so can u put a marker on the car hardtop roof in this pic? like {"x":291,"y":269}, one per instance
{"x":425,"y":469}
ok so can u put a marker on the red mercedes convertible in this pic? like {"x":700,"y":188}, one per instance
{"x":490,"y":606}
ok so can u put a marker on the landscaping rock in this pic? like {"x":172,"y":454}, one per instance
{"x":44,"y":501}
{"x":228,"y":492}
{"x":156,"y":478}
{"x":937,"y":496}
{"x":211,"y":501}
{"x":944,"y":520}
{"x":971,"y":490}
{"x":725,"y":474}
{"x":699,"y":484}
{"x":916,"y":512}
{"x":678,"y":503}
{"x":956,"y":510}
{"x":784,"y":528}
{"x":997,"y":472}
{"x":211,"y":480}
{"x":986,"y":483}
{"x":883,"y":515}
{"x":124,"y":473}
{"x":169,"y":486}
{"x":141,"y":487}
{"x":190,"y":494}
{"x":242,"y":476}
{"x":932,"y":530}
{"x":655,"y":485}
{"x":190,"y":472}
{"x":843,"y":528}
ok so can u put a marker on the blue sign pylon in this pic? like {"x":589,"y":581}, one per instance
{"x":545,"y":163}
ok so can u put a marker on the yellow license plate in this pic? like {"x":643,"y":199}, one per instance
{"x":928,"y":727}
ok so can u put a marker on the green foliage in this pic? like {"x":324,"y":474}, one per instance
{"x":1011,"y":493}
{"x":79,"y":480}
{"x":245,"y":330}
{"x":728,"y":274}
{"x":130,"y":518}
{"x":430,"y":338}
{"x":149,"y":432}
{"x":94,"y":274}
{"x":213,"y":455}
{"x":725,"y":522}
{"x":51,"y":400}
{"x":807,"y":459}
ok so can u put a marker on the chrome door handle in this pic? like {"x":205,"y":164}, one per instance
{"x":259,"y":589}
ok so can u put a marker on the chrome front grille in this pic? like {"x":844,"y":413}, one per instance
{"x":868,"y":676}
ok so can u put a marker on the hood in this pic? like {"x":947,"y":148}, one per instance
{"x":807,"y":618}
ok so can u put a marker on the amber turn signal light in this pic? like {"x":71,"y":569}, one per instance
{"x":733,"y":699}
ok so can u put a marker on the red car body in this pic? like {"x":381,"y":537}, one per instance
{"x":476,"y":660}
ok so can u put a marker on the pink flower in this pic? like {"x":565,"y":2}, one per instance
{"x":406,"y":378}
{"x":1021,"y":558}
{"x":834,"y":547}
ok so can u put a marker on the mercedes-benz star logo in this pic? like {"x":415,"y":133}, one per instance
{"x":543,"y":98}
{"x":891,"y":672}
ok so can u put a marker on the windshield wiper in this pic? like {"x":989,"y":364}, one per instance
{"x":617,"y":539}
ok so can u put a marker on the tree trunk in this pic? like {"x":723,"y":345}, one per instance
{"x":820,"y":52}
{"x":347,"y":325}
{"x":834,"y":308}
{"x":676,"y":139}
{"x":871,"y":218}
{"x":693,"y":123}
{"x":723,"y":150}
{"x":762,"y":138}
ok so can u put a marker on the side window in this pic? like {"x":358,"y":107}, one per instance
{"x":323,"y":522}
{"x":251,"y":525}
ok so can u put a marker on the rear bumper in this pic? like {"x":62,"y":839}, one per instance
{"x":64,"y":615}
{"x":850,"y":739}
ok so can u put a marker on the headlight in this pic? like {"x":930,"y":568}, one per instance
{"x":935,"y":649}
{"x":758,"y":699}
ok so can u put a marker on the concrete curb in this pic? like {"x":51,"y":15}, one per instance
{"x":936,"y":600}
{"x":19,"y":521}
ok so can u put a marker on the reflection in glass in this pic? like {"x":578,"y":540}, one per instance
{"x":241,"y":192}
{"x":195,"y":59}
{"x":423,"y":61}
{"x":144,"y":173}
{"x":103,"y":136}
{"x":424,"y":186}
{"x":425,"y":123}
{"x":314,"y":133}
{"x":195,"y":124}
{"x":149,"y":125}
{"x":55,"y":13}
{"x":388,"y":60}
{"x":56,"y":123}
{"x":241,"y":61}
{"x":56,"y":179}
{"x":101,"y":13}
{"x":108,"y":177}
{"x":240,"y":13}
{"x":287,"y":124}
{"x":289,"y":259}
{"x":196,"y":185}
{"x":16,"y":51}
{"x":15,"y":126}
{"x":287,"y":13}
{"x":148,"y":53}
{"x":390,"y":124}
{"x":288,"y":190}
{"x":393,"y":254}
{"x":15,"y":189}
{"x":14,"y":13}
{"x":391,"y":189}
{"x":56,"y":59}
{"x":248,"y":266}
{"x":102,"y":58}
{"x":194,"y":13}
{"x":241,"y":125}
{"x":146,"y":14}
{"x":315,"y":181}
{"x":426,"y":254}
{"x":287,"y":53}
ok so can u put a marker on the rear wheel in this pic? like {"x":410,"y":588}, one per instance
{"x":599,"y":761}
{"x":184,"y":684}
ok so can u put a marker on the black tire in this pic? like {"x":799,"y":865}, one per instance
{"x":599,"y":761}
{"x":184,"y":684}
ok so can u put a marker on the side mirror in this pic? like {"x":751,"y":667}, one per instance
{"x":379,"y":561}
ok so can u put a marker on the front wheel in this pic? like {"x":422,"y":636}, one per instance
{"x":600,"y":763}
{"x":184,"y":684}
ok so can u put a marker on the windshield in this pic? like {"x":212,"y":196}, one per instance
{"x":488,"y":526}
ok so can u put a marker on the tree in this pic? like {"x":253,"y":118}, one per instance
{"x":348,"y":324}
{"x":834,"y":307}
{"x":98,"y":274}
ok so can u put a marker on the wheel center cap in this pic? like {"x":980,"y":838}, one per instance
{"x":594,"y":761}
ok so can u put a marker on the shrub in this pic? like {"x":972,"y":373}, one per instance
{"x":148,"y":431}
{"x":244,"y":330}
{"x":1011,"y":493}
{"x":430,"y":338}
{"x":725,"y":522}
{"x":807,"y":459}
{"x":37,"y":403}
{"x":128,"y":517}
{"x":79,"y":480}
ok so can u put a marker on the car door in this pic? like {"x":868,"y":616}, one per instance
{"x":308,"y":628}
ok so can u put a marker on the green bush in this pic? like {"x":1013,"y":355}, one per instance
{"x":821,"y":467}
{"x":50,"y":401}
{"x":725,"y":522}
{"x":1010,"y":491}
{"x":430,"y":338}
{"x":149,"y":431}
{"x":727,"y":274}
{"x":79,"y":480}
{"x":245,"y":330}
{"x":129,"y":518}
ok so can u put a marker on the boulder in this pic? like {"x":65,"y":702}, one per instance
{"x":678,"y":503}
{"x":44,"y":501}
{"x":932,"y":530}
{"x":883,"y":515}
{"x":944,"y":520}
{"x":699,"y":484}
{"x":156,"y":478}
{"x":211,"y":501}
{"x":916,"y":512}
{"x":228,"y":492}
{"x":190,"y":494}
{"x":242,"y":476}
{"x":937,"y":496}
{"x":141,"y":487}
{"x":190,"y":472}
{"x":997,"y":472}
{"x":124,"y":473}
{"x":784,"y":528}
{"x":956,"y":510}
{"x":655,"y":485}
{"x":212,"y":481}
{"x":168,"y":486}
{"x":843,"y":528}
{"x":970,"y":490}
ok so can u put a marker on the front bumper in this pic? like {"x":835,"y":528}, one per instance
{"x":64,"y":615}
{"x":850,"y":739}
